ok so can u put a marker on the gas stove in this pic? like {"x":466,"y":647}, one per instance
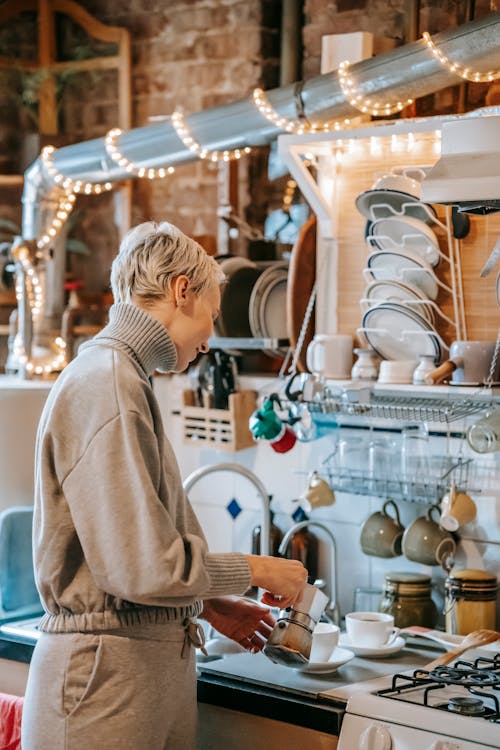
{"x":453,"y":707}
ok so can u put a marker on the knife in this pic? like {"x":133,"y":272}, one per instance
{"x":490,"y":263}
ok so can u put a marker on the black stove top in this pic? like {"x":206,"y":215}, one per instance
{"x":468,"y":688}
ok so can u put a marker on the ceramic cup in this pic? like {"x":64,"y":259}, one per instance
{"x":424,"y":541}
{"x":330,"y":355}
{"x":371,"y":629}
{"x":472,"y":359}
{"x":325,"y":638}
{"x":317,"y":493}
{"x":396,"y":371}
{"x":381,"y":534}
{"x":457,"y":508}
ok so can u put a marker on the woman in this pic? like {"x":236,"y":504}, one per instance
{"x":121,"y":562}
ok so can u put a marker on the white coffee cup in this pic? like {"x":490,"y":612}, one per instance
{"x":371,"y":629}
{"x":325,"y":638}
{"x":330,"y":355}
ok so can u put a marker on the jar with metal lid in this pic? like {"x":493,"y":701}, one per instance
{"x":470,"y":601}
{"x":407,"y":597}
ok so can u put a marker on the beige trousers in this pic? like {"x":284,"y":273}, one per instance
{"x":135,"y":690}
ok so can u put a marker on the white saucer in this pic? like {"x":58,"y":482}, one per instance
{"x":370,"y":651}
{"x":339,"y":657}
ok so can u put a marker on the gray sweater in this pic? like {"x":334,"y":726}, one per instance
{"x":116,"y":541}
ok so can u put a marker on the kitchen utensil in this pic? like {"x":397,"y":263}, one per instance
{"x":325,"y":638}
{"x":372,"y":652}
{"x":460,"y":223}
{"x":425,"y":366}
{"x":301,"y":278}
{"x":395,"y":193}
{"x":330,"y":355}
{"x":235,"y":301}
{"x":493,"y":258}
{"x":229,"y":265}
{"x":397,"y":371}
{"x":457,"y":509}
{"x":447,"y":640}
{"x":476,"y":639}
{"x":338,"y":658}
{"x":366,"y":366}
{"x":406,"y":294}
{"x":317,"y":493}
{"x":405,"y":267}
{"x":397,"y":333}
{"x":407,"y":234}
{"x":267,"y":305}
{"x":290,"y":640}
{"x":468,"y":364}
{"x":425,"y":542}
{"x":371,"y":629}
{"x":484,"y":435}
{"x":381,"y":534}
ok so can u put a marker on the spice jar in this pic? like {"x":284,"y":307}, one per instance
{"x":407,"y":597}
{"x":470,"y":601}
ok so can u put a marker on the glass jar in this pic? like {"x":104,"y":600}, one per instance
{"x":407,"y":597}
{"x":470,"y":601}
{"x":366,"y":366}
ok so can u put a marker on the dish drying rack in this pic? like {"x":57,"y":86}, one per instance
{"x":452,"y":257}
{"x":402,"y":408}
{"x":442,"y":471}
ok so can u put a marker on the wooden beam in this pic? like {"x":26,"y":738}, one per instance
{"x":47,"y":100}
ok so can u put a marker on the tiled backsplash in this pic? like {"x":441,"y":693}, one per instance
{"x":285,"y":477}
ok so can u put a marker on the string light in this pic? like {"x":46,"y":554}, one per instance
{"x":111,"y":145}
{"x":290,"y":126}
{"x":362,"y":103}
{"x":184,"y":134}
{"x":466,"y":73}
{"x":71,"y":186}
{"x":64,"y":208}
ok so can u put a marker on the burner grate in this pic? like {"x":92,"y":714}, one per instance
{"x":477,"y":677}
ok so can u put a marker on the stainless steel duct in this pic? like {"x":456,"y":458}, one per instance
{"x":407,"y":72}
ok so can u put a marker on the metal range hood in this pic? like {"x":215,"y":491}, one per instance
{"x":468,"y":171}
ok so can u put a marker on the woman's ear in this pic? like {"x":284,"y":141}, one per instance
{"x":180,"y":287}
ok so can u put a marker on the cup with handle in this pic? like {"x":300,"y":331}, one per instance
{"x":457,"y":509}
{"x":330,"y":355}
{"x":325,"y":638}
{"x":371,"y":629}
{"x":381,"y":533}
{"x":424,"y":541}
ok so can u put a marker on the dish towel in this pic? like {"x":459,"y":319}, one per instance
{"x":11,"y":709}
{"x":18,"y":593}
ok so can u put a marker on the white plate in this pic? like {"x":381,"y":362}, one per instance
{"x":370,"y":651}
{"x":404,"y":267}
{"x":375,"y":204}
{"x":399,"y":333}
{"x":267,"y":305}
{"x":407,"y":234}
{"x":339,"y":657}
{"x":396,"y":291}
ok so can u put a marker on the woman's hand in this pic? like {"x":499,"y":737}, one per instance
{"x":242,"y":620}
{"x":284,"y":580}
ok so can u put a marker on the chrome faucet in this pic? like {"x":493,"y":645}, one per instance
{"x":198,"y":474}
{"x":332,"y":611}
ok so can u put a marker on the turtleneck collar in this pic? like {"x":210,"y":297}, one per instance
{"x":135,"y":330}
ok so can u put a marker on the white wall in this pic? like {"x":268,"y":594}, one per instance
{"x":285,"y":477}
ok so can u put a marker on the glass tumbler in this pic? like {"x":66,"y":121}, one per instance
{"x":484,"y":436}
{"x":415,"y":464}
{"x":351,"y":462}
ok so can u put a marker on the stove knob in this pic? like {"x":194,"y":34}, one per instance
{"x":376,"y":737}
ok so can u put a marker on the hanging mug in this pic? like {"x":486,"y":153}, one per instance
{"x":317,"y":493}
{"x":381,"y":533}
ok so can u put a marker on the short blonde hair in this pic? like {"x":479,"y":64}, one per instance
{"x":152,"y":254}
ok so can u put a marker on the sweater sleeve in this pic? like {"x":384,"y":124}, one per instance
{"x":128,"y":536}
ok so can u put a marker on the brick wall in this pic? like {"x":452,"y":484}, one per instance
{"x":196,"y":54}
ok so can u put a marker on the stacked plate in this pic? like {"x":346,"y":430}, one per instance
{"x":404,"y":250}
{"x":253,"y":302}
